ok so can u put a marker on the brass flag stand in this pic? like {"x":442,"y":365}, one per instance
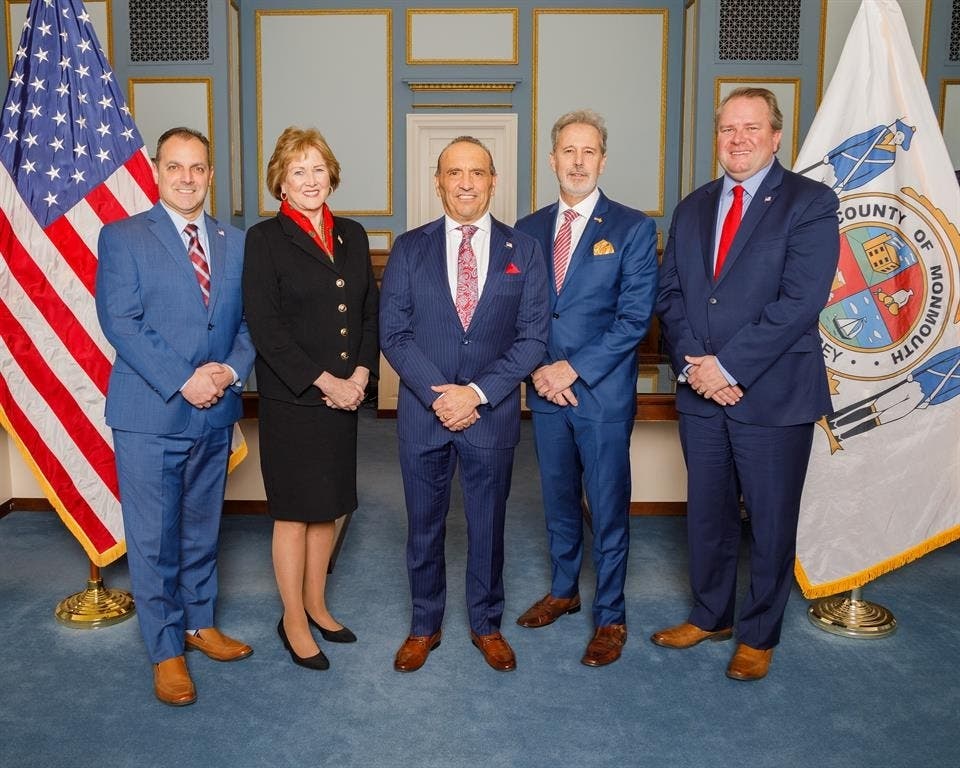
{"x":96,"y":606}
{"x":852,"y":616}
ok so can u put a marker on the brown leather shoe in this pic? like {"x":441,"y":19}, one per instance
{"x":496,"y":651}
{"x":547,"y":610}
{"x":172,"y":683}
{"x":749,"y":663}
{"x":606,"y":645}
{"x":688,"y":635}
{"x":414,"y":651}
{"x":217,"y":645}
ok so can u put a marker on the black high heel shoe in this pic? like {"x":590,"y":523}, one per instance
{"x":342,"y":635}
{"x":319,"y":661}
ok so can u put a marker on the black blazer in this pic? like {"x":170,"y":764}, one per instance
{"x":306,"y":314}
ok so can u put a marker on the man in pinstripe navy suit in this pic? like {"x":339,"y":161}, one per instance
{"x":463,"y":320}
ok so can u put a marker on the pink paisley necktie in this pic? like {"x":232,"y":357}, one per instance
{"x":467,"y":286}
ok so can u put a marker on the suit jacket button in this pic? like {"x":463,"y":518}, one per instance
{"x":343,"y":331}
{"x":341,"y":282}
{"x":556,"y":316}
{"x":342,"y":308}
{"x":344,"y":355}
{"x":712,"y":300}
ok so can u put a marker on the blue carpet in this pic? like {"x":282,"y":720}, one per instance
{"x":84,"y":698}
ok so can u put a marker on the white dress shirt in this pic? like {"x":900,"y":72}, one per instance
{"x":480,"y":242}
{"x":578,"y":225}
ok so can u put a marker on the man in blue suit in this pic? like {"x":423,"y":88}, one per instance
{"x":463,"y":319}
{"x":746,"y":271}
{"x":602,"y":263}
{"x":169,"y":301}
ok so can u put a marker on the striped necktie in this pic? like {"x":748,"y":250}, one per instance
{"x":199,"y":260}
{"x":561,"y":247}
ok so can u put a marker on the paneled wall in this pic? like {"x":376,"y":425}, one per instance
{"x":243,"y":69}
{"x":366,"y":70}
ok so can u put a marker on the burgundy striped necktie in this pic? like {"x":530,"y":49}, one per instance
{"x":199,"y":260}
{"x":561,"y":248}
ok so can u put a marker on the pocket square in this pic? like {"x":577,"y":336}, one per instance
{"x":512,"y":269}
{"x":602,"y":248}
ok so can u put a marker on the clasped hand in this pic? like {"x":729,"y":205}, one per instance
{"x":554,"y":381}
{"x":708,"y":381}
{"x":343,"y":394}
{"x":207,"y":385}
{"x":456,"y":407}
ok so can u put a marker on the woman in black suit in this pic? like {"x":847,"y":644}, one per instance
{"x":311,"y":306}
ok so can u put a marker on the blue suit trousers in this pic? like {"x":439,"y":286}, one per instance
{"x":485,"y":475}
{"x":577,"y":455}
{"x":171,"y":492}
{"x":767,"y":465}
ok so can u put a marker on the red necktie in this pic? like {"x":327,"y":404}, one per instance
{"x":729,"y":231}
{"x":561,"y":248}
{"x":199,"y":260}
{"x":467,"y":285}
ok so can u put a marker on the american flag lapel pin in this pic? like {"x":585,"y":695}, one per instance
{"x":768,"y":199}
{"x":508,"y":244}
{"x":220,"y":232}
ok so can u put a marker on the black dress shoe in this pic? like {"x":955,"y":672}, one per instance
{"x":319,"y":661}
{"x":342,"y":635}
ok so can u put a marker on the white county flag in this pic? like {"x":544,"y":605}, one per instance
{"x":883,"y":486}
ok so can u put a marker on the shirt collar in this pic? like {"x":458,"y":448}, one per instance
{"x":751,"y":185}
{"x":584,"y":207}
{"x":180,"y":222}
{"x":483,"y":223}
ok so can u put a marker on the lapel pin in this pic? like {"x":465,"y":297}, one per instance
{"x":767,"y":199}
{"x":508,"y":244}
{"x":220,"y":232}
{"x":598,"y":219}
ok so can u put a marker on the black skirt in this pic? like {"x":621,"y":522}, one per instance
{"x":308,"y":457}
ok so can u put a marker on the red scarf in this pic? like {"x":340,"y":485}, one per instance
{"x":325,"y":239}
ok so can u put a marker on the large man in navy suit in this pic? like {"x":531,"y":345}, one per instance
{"x":463,"y":319}
{"x":747,"y":268}
{"x":602,"y":263}
{"x":169,"y":301}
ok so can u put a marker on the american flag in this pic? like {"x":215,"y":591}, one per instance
{"x":72,"y":160}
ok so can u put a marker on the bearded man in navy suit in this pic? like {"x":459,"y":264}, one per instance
{"x":747,"y":269}
{"x":169,"y":301}
{"x":463,"y":320}
{"x":602,"y":262}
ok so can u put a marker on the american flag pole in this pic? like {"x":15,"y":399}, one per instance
{"x":71,"y":160}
